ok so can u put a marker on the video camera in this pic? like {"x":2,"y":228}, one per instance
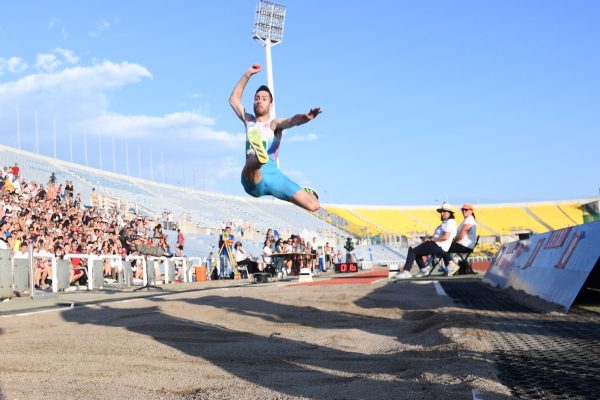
{"x":349,"y":245}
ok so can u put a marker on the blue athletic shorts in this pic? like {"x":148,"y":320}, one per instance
{"x":273,"y":183}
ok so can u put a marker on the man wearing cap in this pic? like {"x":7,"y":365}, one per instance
{"x":437,"y":245}
{"x":466,"y":236}
{"x":261,"y":176}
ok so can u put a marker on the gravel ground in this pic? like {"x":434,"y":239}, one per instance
{"x":274,"y":341}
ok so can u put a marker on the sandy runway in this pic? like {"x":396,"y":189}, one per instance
{"x":360,"y":341}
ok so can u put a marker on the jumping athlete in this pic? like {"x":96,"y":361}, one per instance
{"x":261,"y":176}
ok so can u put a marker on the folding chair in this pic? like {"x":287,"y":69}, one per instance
{"x":464,"y":264}
{"x":433,"y":262}
{"x":269,"y":267}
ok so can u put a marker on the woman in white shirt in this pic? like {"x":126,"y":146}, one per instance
{"x":267,"y":252}
{"x":437,"y":245}
{"x":466,"y":235}
{"x":243,"y":258}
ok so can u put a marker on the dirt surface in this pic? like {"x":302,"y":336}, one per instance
{"x":275,"y":341}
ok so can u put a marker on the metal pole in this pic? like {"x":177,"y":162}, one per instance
{"x":270,"y":74}
{"x":54,"y":134}
{"x":37,"y":138}
{"x":114,"y":158}
{"x":100,"y":150}
{"x":151,"y":166}
{"x":85,"y":146}
{"x":139,"y":162}
{"x":127,"y":158}
{"x":18,"y":128}
{"x":70,"y":142}
{"x":31,"y":281}
{"x":162,"y":165}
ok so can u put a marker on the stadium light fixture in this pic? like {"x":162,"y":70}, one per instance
{"x":269,"y":21}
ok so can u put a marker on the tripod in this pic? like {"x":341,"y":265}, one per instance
{"x":149,"y":279}
{"x":230,"y":257}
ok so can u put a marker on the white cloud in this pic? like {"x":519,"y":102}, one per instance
{"x":68,"y":55}
{"x":307,"y":138}
{"x":183,"y":126}
{"x":79,"y":96}
{"x":102,"y":26}
{"x":13,"y":65}
{"x":47,"y":62}
{"x":16,"y":65}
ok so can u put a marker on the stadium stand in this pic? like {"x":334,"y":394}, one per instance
{"x":205,"y":213}
{"x":573,"y":211}
{"x":396,"y":220}
{"x":206,"y":210}
{"x":509,"y":220}
{"x":353,"y":223}
{"x":555,"y":216}
{"x":494,"y":219}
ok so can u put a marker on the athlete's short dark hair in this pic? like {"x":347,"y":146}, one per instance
{"x":265,"y":88}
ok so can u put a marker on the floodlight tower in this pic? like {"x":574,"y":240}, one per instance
{"x":268,"y":30}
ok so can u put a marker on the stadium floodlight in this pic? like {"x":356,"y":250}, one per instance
{"x":268,"y":30}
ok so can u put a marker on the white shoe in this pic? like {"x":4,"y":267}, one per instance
{"x":424,"y":272}
{"x":402,"y":275}
{"x":452,"y":268}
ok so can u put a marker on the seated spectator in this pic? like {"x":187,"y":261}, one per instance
{"x":23,"y":250}
{"x":267,"y":252}
{"x":436,"y":245}
{"x":466,"y":235}
{"x":244,"y":259}
{"x":77,"y":267}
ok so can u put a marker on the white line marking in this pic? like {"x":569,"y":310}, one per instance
{"x":476,"y":394}
{"x":439,"y":289}
{"x":43,"y":311}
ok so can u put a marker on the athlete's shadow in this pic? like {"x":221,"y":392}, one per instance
{"x":409,"y":329}
{"x":292,"y":367}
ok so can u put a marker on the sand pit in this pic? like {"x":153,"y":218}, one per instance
{"x":275,"y":341}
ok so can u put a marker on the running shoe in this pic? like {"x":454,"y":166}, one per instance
{"x":424,"y":272}
{"x":452,"y":268}
{"x":311,"y":191}
{"x":255,"y":140}
{"x":402,"y":275}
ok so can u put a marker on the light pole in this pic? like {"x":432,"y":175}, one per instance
{"x":268,"y":30}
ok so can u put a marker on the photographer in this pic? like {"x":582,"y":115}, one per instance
{"x":349,"y":246}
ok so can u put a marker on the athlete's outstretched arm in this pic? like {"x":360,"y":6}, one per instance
{"x":298,"y":119}
{"x":235,"y":100}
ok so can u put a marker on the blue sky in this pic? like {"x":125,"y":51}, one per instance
{"x":480,"y":101}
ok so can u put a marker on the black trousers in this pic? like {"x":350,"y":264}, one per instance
{"x":424,"y":249}
{"x":252,"y":266}
{"x":458,"y":248}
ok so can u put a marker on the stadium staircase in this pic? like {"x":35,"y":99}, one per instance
{"x":538,"y":219}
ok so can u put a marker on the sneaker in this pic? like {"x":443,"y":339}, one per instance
{"x":311,"y":191}
{"x":402,"y":275}
{"x":255,"y":140}
{"x":424,"y":272}
{"x":452,"y":268}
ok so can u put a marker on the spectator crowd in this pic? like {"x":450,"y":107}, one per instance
{"x":51,"y":219}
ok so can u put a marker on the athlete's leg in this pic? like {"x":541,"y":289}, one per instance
{"x":251,"y":170}
{"x":305,"y":200}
